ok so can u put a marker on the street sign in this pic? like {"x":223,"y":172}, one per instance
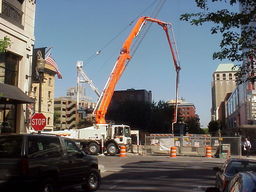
{"x":38,"y":121}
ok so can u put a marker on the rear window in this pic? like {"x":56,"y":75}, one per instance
{"x":238,"y":166}
{"x":43,"y":147}
{"x":10,"y":146}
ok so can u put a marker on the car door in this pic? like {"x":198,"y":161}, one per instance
{"x":78,"y":165}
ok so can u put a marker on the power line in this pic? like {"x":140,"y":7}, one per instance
{"x":98,"y":52}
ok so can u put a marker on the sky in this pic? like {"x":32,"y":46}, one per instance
{"x":76,"y":30}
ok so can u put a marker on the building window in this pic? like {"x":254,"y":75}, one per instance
{"x":48,"y":121}
{"x":7,"y":118}
{"x":217,"y":76}
{"x":224,"y":76}
{"x":230,"y":76}
{"x":49,"y":94}
{"x":50,"y":82}
{"x":12,"y":12}
{"x":9,"y":68}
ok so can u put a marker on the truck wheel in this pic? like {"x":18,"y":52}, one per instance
{"x":112,"y":149}
{"x":93,"y":181}
{"x":93,"y":149}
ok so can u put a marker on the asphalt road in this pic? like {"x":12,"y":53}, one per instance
{"x":158,"y":174}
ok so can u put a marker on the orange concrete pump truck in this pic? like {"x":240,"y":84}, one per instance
{"x":103,"y":136}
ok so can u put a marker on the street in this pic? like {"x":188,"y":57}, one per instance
{"x":157,"y":173}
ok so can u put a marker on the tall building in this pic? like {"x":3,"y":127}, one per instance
{"x":186,"y":110}
{"x":68,"y":113}
{"x":17,"y":18}
{"x":224,"y":82}
{"x":47,"y":95}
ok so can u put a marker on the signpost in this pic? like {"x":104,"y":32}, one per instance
{"x":38,"y":121}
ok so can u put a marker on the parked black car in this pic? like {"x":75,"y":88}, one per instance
{"x":45,"y":163}
{"x":230,"y":168}
{"x":243,"y":182}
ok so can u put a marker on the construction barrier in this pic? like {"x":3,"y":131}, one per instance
{"x":122,"y":151}
{"x":173,"y":152}
{"x":192,"y":145}
{"x":208,"y":152}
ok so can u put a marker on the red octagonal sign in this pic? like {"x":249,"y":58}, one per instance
{"x":38,"y":121}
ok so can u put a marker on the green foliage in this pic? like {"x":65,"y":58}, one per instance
{"x":193,"y":125}
{"x":56,"y":118}
{"x":161,"y":118}
{"x":237,"y":42}
{"x":4,"y":44}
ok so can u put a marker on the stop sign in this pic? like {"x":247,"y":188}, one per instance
{"x":38,"y":121}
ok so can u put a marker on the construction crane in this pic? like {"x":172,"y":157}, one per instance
{"x":102,"y":136}
{"x":83,"y":78}
{"x":107,"y":93}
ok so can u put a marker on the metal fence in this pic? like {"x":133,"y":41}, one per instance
{"x":192,"y":145}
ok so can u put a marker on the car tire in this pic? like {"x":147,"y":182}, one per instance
{"x":47,"y":186}
{"x":93,"y":149}
{"x":112,"y":149}
{"x":93,"y":181}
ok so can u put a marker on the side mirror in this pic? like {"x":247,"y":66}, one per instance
{"x":212,"y":189}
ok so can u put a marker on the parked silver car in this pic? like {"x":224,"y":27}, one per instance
{"x":243,"y":182}
{"x":230,"y":168}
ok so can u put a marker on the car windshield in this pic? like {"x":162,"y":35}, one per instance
{"x":238,"y":166}
{"x":10,"y":146}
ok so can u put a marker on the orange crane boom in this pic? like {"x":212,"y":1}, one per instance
{"x":107,"y":93}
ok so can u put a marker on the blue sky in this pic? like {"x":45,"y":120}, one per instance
{"x":78,"y":29}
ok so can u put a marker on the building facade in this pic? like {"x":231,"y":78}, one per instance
{"x":47,"y":96}
{"x":224,"y":82}
{"x":67,"y":113}
{"x":17,"y":18}
{"x":186,"y":110}
{"x":241,"y":105}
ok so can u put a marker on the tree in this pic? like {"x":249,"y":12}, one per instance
{"x":4,"y":44}
{"x":56,"y":119}
{"x":161,"y":118}
{"x":193,"y":124}
{"x":236,"y":45}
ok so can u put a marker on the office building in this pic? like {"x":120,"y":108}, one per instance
{"x":224,"y":82}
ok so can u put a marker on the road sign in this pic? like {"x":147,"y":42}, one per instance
{"x":38,"y":121}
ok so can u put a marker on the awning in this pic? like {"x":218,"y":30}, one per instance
{"x":13,"y":95}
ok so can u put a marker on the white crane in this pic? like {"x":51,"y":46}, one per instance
{"x":83,"y":78}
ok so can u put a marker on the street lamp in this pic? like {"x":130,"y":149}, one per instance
{"x":40,"y":64}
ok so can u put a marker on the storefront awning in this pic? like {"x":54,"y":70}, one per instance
{"x":13,"y":95}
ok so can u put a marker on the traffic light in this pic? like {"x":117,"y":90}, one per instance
{"x":180,"y":129}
